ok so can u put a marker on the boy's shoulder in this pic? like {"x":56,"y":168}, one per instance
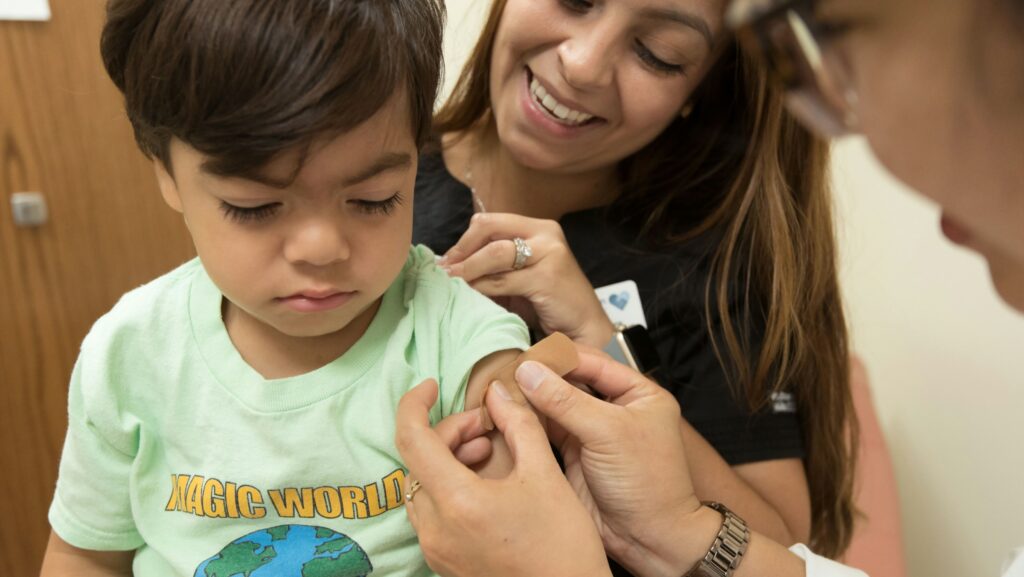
{"x":441,"y":302}
{"x":150,"y":307}
{"x":427,"y":284}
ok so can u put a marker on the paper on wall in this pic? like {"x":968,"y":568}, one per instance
{"x":24,"y":10}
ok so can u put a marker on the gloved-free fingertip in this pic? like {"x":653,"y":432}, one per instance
{"x":530,"y":375}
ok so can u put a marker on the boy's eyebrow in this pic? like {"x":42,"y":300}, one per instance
{"x":387,"y":162}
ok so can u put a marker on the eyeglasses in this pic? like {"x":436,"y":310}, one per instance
{"x":816,"y":79}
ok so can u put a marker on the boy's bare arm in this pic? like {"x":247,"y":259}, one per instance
{"x":500,"y":462}
{"x":557,"y":351}
{"x":63,"y":559}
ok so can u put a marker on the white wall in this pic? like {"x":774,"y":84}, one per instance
{"x":945,"y":356}
{"x":947,"y":364}
{"x":465,"y":18}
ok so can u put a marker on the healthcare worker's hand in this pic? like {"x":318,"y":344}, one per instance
{"x":549,"y":291}
{"x":529,"y":523}
{"x":625,"y":458}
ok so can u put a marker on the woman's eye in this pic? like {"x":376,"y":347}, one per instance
{"x":383,"y":207}
{"x":577,"y":5}
{"x":655,"y":63}
{"x":248,"y":215}
{"x":830,"y":31}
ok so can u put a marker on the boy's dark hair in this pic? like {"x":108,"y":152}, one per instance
{"x":244,"y":80}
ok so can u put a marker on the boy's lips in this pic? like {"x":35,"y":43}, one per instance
{"x":317,"y":301}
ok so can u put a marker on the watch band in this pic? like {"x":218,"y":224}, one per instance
{"x":632,"y":346}
{"x":727,"y":551}
{"x":618,"y":349}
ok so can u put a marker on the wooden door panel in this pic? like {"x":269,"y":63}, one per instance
{"x":63,"y":132}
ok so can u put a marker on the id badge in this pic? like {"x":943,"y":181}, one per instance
{"x":621,"y":302}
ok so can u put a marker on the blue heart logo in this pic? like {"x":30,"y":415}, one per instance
{"x":620,"y":300}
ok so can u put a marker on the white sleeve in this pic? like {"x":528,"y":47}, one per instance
{"x":1015,"y":565}
{"x":822,"y":567}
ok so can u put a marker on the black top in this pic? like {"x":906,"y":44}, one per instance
{"x":671,"y":285}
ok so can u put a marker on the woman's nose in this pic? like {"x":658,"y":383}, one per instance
{"x":586,"y":60}
{"x":317,"y":241}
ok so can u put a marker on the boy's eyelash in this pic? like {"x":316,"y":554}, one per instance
{"x":654,"y":62}
{"x":384,"y":207}
{"x":248,"y":215}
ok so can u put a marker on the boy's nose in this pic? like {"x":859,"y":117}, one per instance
{"x":318,"y":242}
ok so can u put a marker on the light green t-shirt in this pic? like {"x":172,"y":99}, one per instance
{"x":179,"y":449}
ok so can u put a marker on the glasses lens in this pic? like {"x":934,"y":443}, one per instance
{"x":817,"y":88}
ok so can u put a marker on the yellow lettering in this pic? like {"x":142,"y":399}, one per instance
{"x":290,"y":501}
{"x":251,"y":502}
{"x":194,"y":499}
{"x":213,"y":498}
{"x":177,"y":500}
{"x":231,"y":499}
{"x":353,"y":505}
{"x":328,"y":502}
{"x":373,"y":500}
{"x":393,"y":484}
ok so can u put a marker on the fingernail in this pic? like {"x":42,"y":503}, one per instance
{"x":530,"y":375}
{"x":501,"y":390}
{"x":447,"y":270}
{"x":442,"y":260}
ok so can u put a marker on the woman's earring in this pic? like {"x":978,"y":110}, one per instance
{"x":687,"y":110}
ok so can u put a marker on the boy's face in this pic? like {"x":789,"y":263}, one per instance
{"x":311,"y":259}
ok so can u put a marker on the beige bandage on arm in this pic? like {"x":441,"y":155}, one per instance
{"x":557,"y":351}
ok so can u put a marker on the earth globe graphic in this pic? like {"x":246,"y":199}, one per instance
{"x":289,"y":551}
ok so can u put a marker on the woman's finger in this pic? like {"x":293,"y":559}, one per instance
{"x":421,"y":509}
{"x":495,"y":257}
{"x":607,"y":377}
{"x":486,"y":227}
{"x":525,"y":436}
{"x":427,"y":451}
{"x":520,"y":283}
{"x":582,"y":415}
{"x":474,"y":452}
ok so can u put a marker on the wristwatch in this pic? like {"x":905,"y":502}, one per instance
{"x":727,"y":551}
{"x":633,"y":346}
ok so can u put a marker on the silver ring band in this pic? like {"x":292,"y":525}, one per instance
{"x":523,"y":253}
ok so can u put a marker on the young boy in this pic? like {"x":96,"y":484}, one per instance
{"x":236,"y":416}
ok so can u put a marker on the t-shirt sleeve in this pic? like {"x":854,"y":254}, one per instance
{"x":474,"y":328}
{"x":91,"y":507}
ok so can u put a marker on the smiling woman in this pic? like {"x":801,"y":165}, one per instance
{"x":628,"y":141}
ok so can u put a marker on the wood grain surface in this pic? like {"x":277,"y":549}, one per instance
{"x":63,"y":133}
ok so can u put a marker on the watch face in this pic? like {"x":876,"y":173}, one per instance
{"x":642,"y":347}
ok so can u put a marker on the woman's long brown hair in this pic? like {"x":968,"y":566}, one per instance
{"x":740,"y":168}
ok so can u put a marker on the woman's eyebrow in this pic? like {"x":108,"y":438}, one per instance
{"x":688,"y":19}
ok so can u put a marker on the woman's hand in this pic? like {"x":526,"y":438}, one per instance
{"x":550,"y":291}
{"x":529,"y":523}
{"x":626,"y":460}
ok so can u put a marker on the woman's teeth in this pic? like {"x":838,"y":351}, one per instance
{"x":556,"y":109}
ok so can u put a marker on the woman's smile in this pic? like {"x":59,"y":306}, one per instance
{"x":555,"y":116}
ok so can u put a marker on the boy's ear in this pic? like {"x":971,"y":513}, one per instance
{"x":168,"y":188}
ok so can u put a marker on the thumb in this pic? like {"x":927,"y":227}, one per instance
{"x":523,"y":433}
{"x":582,"y":415}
